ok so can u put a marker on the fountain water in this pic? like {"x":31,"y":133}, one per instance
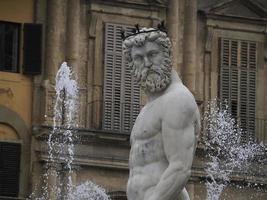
{"x":226,"y":151}
{"x":61,"y":144}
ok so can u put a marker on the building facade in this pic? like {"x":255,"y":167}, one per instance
{"x":218,"y":48}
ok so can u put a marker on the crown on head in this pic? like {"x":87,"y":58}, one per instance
{"x":137,"y":30}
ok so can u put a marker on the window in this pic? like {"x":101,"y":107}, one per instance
{"x":9,"y":45}
{"x":118,"y":195}
{"x":32,"y":49}
{"x":238,"y":65}
{"x":9,"y":169}
{"x":121,"y":103}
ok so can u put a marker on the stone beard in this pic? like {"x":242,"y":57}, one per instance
{"x":153,"y":79}
{"x":163,"y":138}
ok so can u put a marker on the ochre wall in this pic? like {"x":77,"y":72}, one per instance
{"x":16,"y":94}
{"x":7,"y":133}
{"x":16,"y":88}
{"x":17,"y":10}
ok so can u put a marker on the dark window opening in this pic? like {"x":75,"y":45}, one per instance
{"x":9,"y":46}
{"x":32,"y":49}
{"x":9,"y":169}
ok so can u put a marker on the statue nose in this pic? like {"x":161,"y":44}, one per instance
{"x":148,"y":63}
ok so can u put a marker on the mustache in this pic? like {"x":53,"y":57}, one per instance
{"x":142,"y":73}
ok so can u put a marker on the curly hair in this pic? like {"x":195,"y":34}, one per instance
{"x":139,"y":40}
{"x":160,"y":78}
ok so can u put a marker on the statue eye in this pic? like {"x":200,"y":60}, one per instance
{"x":138,"y":58}
{"x":153,"y":54}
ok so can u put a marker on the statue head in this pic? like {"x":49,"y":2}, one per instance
{"x":148,"y":56}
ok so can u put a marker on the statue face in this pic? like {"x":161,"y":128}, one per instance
{"x":147,"y":55}
{"x":150,"y":67}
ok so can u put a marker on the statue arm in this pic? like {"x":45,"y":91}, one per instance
{"x":179,"y":145}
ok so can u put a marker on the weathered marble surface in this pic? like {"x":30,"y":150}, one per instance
{"x":164,"y":136}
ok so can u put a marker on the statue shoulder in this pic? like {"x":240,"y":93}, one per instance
{"x":178,"y":104}
{"x":180,"y":96}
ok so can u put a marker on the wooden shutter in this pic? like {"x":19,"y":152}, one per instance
{"x":109,"y":89}
{"x":225,"y":69}
{"x":32,"y":51}
{"x":118,"y":195}
{"x":243,"y":115}
{"x":234,"y":78}
{"x":121,"y":95}
{"x":251,"y":126}
{"x":9,"y":169}
{"x":131,"y":95}
{"x":238,"y":80}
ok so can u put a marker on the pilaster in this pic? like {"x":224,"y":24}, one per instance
{"x":190,"y":44}
{"x":52,"y":174}
{"x":55,"y":37}
{"x":174,"y":24}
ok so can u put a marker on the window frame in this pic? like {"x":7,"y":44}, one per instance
{"x":237,"y":77}
{"x":124,"y":120}
{"x":212,"y":48}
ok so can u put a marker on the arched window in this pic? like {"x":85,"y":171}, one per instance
{"x":14,"y":155}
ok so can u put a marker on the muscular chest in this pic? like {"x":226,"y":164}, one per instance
{"x":147,"y":124}
{"x":146,"y":138}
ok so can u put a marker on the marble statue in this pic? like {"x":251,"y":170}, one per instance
{"x":163,"y":139}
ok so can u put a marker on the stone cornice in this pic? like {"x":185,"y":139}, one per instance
{"x":221,"y":22}
{"x":253,"y":6}
{"x":251,"y":20}
{"x":90,"y":161}
{"x":199,"y":174}
{"x":139,"y":4}
{"x":86,"y":136}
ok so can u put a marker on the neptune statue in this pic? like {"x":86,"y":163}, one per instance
{"x":164,"y":136}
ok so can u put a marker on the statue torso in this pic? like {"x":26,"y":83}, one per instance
{"x":147,"y":159}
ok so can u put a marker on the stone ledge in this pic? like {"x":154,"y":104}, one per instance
{"x":85,"y":136}
{"x":114,"y":163}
